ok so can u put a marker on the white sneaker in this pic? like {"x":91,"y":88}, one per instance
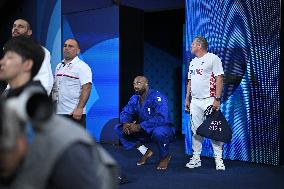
{"x":193,"y":163}
{"x":219,"y":164}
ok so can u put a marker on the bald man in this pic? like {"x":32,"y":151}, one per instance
{"x":144,"y":119}
{"x":73,"y":84}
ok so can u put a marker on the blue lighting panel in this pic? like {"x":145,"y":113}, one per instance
{"x":246,"y":36}
{"x":97,"y":31}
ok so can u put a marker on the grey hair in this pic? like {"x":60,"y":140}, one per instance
{"x":202,"y":41}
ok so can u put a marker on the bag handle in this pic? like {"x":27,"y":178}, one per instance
{"x":209,"y":110}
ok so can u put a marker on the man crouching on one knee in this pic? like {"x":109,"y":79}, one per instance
{"x":145,"y":119}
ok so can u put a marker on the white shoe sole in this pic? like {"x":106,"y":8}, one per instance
{"x":192,"y":166}
{"x":220,"y":169}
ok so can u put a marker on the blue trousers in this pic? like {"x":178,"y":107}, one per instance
{"x":161,"y":135}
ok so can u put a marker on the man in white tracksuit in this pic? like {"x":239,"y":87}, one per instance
{"x":204,"y":88}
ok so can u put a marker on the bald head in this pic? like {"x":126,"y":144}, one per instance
{"x":141,"y":78}
{"x":71,"y":49}
{"x":140,"y":84}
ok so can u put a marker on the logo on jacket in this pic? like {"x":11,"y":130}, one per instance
{"x":159,"y":99}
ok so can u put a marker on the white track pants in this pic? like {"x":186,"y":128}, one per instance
{"x":197,"y":108}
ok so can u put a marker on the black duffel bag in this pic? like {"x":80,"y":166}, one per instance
{"x":215,"y":126}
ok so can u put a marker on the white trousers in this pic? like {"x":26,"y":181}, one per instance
{"x":197,"y":108}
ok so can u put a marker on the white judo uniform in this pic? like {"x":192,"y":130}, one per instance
{"x":202,"y":73}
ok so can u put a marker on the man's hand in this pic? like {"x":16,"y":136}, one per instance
{"x":187,"y":105}
{"x":216,"y":105}
{"x":77,"y":113}
{"x":126,"y":128}
{"x":129,"y":128}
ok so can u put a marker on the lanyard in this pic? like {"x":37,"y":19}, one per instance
{"x":58,"y":80}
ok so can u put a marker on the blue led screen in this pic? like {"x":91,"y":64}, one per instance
{"x":97,"y":32}
{"x":246,"y":36}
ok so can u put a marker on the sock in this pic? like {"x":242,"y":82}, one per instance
{"x":196,"y":156}
{"x":143,"y":149}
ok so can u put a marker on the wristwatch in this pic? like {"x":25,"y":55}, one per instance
{"x":217,"y":98}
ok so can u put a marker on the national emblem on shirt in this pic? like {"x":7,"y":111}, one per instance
{"x":196,"y":71}
{"x":212,"y":85}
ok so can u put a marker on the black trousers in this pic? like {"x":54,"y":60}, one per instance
{"x":82,"y":121}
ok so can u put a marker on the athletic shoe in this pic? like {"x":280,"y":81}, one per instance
{"x":194,"y":162}
{"x":219,"y":164}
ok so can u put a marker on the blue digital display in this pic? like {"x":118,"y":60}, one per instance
{"x":246,"y":36}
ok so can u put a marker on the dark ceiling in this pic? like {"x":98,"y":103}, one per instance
{"x":69,"y":6}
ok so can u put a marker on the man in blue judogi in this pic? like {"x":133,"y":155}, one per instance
{"x":145,"y":118}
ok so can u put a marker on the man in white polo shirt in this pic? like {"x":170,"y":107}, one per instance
{"x":44,"y":75}
{"x":205,"y":84}
{"x":73,"y":83}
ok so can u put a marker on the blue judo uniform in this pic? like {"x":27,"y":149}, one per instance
{"x":153,"y":118}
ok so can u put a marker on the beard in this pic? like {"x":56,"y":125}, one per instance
{"x":140,"y":92}
{"x":67,"y":56}
{"x":17,"y":33}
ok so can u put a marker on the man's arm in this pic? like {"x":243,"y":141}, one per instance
{"x":128,"y":112}
{"x":127,"y":115}
{"x":85,"y":93}
{"x":219,"y":88}
{"x":45,"y":73}
{"x":187,"y":97}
